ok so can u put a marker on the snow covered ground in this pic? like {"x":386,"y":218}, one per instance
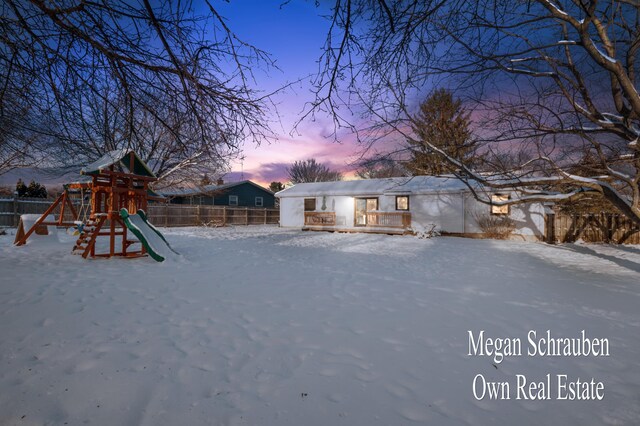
{"x":264,"y":326}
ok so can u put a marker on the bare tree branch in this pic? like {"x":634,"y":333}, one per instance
{"x":549,"y":83}
{"x":168,"y":78}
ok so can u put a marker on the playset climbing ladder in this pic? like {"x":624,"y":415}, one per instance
{"x":119,"y":180}
{"x":87,"y":240}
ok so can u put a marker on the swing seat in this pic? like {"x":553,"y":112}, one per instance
{"x":79,"y":227}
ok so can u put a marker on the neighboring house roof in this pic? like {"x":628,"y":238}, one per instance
{"x":398,"y":185}
{"x":119,"y":157}
{"x":154,"y":195}
{"x":187,"y":192}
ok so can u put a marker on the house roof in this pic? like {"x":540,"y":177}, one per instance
{"x":79,"y":179}
{"x":187,"y":192}
{"x":398,"y":185}
{"x":118,"y":157}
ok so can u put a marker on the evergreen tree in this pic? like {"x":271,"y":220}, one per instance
{"x":443,"y":123}
{"x":276,"y":186}
{"x":35,"y":190}
{"x":21,"y":188}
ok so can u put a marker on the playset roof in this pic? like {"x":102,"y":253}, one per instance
{"x":120,"y":159}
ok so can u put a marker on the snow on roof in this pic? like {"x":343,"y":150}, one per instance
{"x":118,"y":156}
{"x":398,"y":185}
{"x":105,"y":161}
{"x":180,"y":192}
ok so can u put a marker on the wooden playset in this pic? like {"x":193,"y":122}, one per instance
{"x":118,"y":180}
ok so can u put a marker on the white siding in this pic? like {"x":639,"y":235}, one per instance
{"x":473,"y":209}
{"x":292,"y":212}
{"x":529,"y":219}
{"x":453,"y":212}
{"x":442,"y":210}
{"x":345,"y":210}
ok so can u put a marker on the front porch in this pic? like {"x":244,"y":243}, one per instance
{"x":374,"y":222}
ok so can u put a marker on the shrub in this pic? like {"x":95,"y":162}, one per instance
{"x":425,"y":231}
{"x":494,"y":226}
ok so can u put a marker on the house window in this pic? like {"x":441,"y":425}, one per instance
{"x":233,"y":200}
{"x":402,"y":202}
{"x":499,"y":210}
{"x":259,"y":202}
{"x":309,"y":204}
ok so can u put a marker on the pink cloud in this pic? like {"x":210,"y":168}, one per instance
{"x":268,"y":162}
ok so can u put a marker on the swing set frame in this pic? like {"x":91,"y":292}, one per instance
{"x":111,"y":190}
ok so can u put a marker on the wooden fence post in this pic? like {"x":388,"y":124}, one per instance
{"x":224,"y":216}
{"x":246,"y":215}
{"x":265,"y":216}
{"x":166,"y":215}
{"x":550,"y":221}
{"x":16,"y":217}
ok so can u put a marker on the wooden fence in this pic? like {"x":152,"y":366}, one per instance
{"x":189,"y":215}
{"x":12,"y":208}
{"x":159,"y":214}
{"x":603,"y":227}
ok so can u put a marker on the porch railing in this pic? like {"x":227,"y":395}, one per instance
{"x":320,"y":218}
{"x":374,"y":219}
{"x":389,"y":219}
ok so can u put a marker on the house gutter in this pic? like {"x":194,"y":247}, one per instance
{"x":373,"y":194}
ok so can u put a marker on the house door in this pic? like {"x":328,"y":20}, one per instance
{"x":364,"y":206}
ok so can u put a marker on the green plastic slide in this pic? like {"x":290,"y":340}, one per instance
{"x":152,"y":240}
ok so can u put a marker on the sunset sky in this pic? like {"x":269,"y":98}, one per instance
{"x":294,"y":35}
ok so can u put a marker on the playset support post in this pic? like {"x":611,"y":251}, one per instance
{"x":118,"y":180}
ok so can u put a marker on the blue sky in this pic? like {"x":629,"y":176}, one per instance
{"x":293,"y":34}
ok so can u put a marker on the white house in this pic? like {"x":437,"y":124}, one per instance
{"x":398,"y":205}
